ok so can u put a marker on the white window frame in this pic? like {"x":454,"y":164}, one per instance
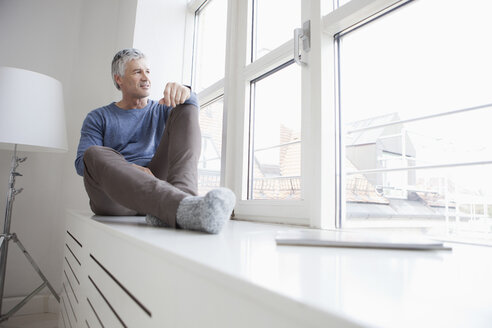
{"x":351,"y":14}
{"x":212,"y":92}
{"x":323,"y":149}
{"x":322,"y":182}
{"x":215,"y":90}
{"x":239,"y":74}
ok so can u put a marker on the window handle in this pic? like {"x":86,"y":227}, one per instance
{"x":304,"y":34}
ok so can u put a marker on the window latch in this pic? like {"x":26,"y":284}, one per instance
{"x":303,"y":34}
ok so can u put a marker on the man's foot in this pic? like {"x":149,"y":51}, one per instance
{"x":208,"y":213}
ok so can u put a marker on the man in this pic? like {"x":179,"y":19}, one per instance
{"x":139,"y":156}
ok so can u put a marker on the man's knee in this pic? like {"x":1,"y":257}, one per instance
{"x":185,"y":116}
{"x":92,"y":152}
{"x":186,"y":107}
{"x":97,"y":156}
{"x":185,"y":110}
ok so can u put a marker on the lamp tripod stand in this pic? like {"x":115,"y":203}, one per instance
{"x":6,"y":237}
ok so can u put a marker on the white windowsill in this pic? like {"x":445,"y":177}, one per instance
{"x":384,"y":288}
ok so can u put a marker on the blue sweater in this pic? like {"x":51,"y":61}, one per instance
{"x":135,"y":133}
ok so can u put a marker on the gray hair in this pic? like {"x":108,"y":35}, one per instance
{"x":118,"y":64}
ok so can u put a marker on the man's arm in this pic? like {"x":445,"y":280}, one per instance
{"x":91,"y":134}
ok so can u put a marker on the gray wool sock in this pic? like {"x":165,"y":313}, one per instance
{"x":155,"y":221}
{"x":208,"y":213}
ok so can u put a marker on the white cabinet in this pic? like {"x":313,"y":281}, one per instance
{"x":115,"y":274}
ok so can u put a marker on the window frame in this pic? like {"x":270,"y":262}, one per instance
{"x":237,"y":95}
{"x":322,"y":149}
{"x":213,"y":91}
{"x":347,"y":18}
{"x":351,"y":15}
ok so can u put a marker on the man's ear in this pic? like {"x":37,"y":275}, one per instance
{"x":117,"y":78}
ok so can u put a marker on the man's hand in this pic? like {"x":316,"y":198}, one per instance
{"x":143,"y":169}
{"x":175,"y":94}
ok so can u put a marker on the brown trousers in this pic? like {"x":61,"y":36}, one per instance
{"x":116,"y":187}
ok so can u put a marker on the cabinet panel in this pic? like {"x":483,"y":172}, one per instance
{"x":104,"y":310}
{"x":131,"y":310}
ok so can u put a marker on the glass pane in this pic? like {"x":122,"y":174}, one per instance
{"x":275,"y":24}
{"x":210,"y":157}
{"x":393,"y":69}
{"x":210,"y":44}
{"x":276,"y":136}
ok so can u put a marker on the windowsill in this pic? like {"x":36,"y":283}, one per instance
{"x":385,"y":288}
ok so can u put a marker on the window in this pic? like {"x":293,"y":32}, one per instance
{"x":265,"y":118}
{"x":275,"y":157}
{"x":416,"y":108}
{"x":209,"y":50}
{"x":386,"y":122}
{"x":272,"y":27}
{"x":210,"y":159}
{"x":210,"y":42}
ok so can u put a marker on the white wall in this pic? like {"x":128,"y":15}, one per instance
{"x":38,"y":36}
{"x":72,"y":41}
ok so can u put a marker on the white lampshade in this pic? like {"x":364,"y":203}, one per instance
{"x":31,"y":111}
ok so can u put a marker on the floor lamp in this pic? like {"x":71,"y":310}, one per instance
{"x":31,"y":118}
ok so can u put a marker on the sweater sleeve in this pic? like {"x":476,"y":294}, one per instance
{"x":91,"y":134}
{"x":193,"y":100}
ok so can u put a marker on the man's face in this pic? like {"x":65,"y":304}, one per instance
{"x":136,"y":81}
